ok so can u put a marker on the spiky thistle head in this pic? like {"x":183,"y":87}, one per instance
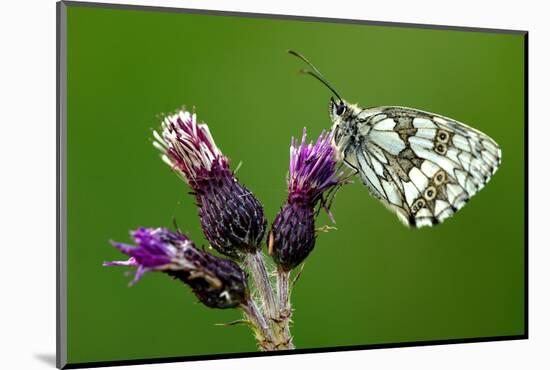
{"x":231,"y":216}
{"x":312,"y":174}
{"x":217,"y":282}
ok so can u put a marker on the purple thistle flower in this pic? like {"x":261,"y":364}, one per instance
{"x":189,"y":148}
{"x":232,"y":218}
{"x":312,"y":173}
{"x":217,"y":282}
{"x":312,"y":169}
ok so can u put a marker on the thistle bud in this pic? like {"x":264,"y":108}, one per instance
{"x":217,"y":282}
{"x":312,"y":173}
{"x":232,"y":219}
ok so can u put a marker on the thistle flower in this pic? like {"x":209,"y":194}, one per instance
{"x":312,"y":173}
{"x":232,"y":218}
{"x":217,"y":282}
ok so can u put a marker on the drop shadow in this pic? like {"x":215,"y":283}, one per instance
{"x":47,"y":358}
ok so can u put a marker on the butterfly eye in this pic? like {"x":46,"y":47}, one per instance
{"x":340,"y":109}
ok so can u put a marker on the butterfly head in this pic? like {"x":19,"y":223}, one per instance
{"x":344,"y":126}
{"x":337,"y":109}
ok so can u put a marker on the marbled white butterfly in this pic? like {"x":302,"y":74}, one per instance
{"x":421,"y":165}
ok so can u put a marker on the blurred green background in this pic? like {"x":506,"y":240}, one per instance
{"x":372,"y":281}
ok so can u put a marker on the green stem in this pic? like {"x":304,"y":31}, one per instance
{"x":256,"y":265}
{"x":262,"y":331}
{"x":285,"y":309}
{"x":277,"y":337}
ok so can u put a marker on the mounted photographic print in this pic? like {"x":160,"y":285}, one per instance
{"x":234,"y":184}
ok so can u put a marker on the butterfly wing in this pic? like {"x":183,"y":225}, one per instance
{"x":423,"y":166}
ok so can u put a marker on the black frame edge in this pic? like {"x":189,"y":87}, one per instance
{"x":291,"y":352}
{"x":526,"y":181}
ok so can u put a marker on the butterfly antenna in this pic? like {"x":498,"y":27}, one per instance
{"x":323,"y":81}
{"x":315,"y":73}
{"x":300,"y":56}
{"x":175,"y":223}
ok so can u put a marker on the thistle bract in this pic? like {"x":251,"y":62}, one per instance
{"x":232,"y":218}
{"x":312,"y":173}
{"x":217,"y":282}
{"x":293,"y":235}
